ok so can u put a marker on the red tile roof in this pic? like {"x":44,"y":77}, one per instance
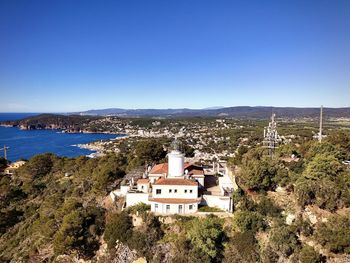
{"x":175,"y":181}
{"x":143,"y":181}
{"x":162,"y":168}
{"x":159,"y":169}
{"x":175,"y":200}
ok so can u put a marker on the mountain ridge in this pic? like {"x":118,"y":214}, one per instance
{"x":236,"y":111}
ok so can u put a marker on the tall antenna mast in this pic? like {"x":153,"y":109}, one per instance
{"x":271,"y":137}
{"x":5,"y":152}
{"x":320,"y":132}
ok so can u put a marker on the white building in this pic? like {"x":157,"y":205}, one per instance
{"x":11,"y":169}
{"x":174,"y":196}
{"x":174,"y":188}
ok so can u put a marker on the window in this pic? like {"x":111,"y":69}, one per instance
{"x":185,"y":191}
{"x":175,"y":191}
{"x":190,"y":207}
{"x":190,"y":191}
{"x":169,"y":190}
{"x":167,"y":208}
{"x":158,"y":191}
{"x":141,"y":186}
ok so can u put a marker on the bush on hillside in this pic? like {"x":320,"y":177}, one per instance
{"x":118,"y":227}
{"x":309,"y":255}
{"x":334,"y":234}
{"x":249,"y":221}
{"x":242,"y":247}
{"x":284,"y":240}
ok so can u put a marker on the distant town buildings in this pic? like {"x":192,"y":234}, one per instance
{"x":10,"y":170}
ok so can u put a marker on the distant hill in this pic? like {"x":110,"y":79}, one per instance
{"x":236,"y":112}
{"x":136,"y":112}
{"x":73,"y":123}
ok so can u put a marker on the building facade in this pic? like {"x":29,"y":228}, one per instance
{"x":175,"y":187}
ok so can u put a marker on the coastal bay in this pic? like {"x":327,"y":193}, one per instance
{"x":27,"y":143}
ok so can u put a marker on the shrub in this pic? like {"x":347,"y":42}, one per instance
{"x":302,"y":226}
{"x":334,"y":234}
{"x":322,"y":166}
{"x":209,"y":209}
{"x":248,"y":220}
{"x":258,"y":174}
{"x":309,"y":255}
{"x":70,"y":234}
{"x":242,"y":247}
{"x":39,"y":165}
{"x":267,"y":207}
{"x":284,"y":240}
{"x":119,"y":227}
{"x":145,"y":238}
{"x":139,"y":207}
{"x":206,"y":236}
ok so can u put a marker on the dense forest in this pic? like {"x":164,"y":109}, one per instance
{"x":56,"y":209}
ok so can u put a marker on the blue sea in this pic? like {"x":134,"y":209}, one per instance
{"x":25,"y":144}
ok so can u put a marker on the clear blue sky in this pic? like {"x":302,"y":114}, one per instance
{"x":78,"y":55}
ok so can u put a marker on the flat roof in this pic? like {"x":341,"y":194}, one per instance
{"x":175,"y":181}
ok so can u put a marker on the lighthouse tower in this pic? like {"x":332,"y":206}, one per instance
{"x":175,"y":161}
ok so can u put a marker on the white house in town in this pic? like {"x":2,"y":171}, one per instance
{"x":176,"y":187}
{"x":11,"y":169}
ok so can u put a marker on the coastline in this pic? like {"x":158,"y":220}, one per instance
{"x":98,"y":148}
{"x":27,"y":143}
{"x":60,"y":130}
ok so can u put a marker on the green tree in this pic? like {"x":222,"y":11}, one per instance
{"x":108,"y":170}
{"x":144,"y":239}
{"x":341,"y":139}
{"x":334,"y":234}
{"x":284,"y":240}
{"x":249,"y":221}
{"x":237,"y":159}
{"x":206,"y":236}
{"x":70,"y":234}
{"x":118,"y":227}
{"x":322,"y":166}
{"x":325,"y":148}
{"x":267,"y":207}
{"x":309,"y":255}
{"x":149,"y":151}
{"x":39,"y":165}
{"x":258,"y":174}
{"x":242,"y":248}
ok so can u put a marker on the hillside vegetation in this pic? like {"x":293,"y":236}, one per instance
{"x":55,"y":209}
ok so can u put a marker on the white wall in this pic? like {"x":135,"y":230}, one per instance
{"x":174,"y":208}
{"x":175,"y":164}
{"x":180,"y":193}
{"x":222,"y":202}
{"x":225,"y":182}
{"x":134,"y":198}
{"x":124,"y":189}
{"x":143,"y":188}
{"x":200,"y":180}
{"x":154,"y":177}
